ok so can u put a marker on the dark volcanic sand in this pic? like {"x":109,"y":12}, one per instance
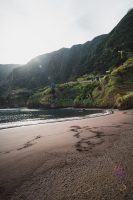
{"x":82,"y":159}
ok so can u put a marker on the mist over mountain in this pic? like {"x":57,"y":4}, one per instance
{"x":5,"y":70}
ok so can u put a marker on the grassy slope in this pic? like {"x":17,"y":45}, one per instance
{"x":115,"y":85}
{"x":113,"y":90}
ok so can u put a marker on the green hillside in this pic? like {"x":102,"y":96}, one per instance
{"x":112,"y":90}
{"x":95,"y":74}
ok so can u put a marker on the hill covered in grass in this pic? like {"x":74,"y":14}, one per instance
{"x":114,"y":90}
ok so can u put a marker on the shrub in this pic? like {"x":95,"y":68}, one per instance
{"x":125,"y":101}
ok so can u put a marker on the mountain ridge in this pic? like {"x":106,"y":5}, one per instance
{"x":103,"y":53}
{"x":65,"y":60}
{"x":66,"y":64}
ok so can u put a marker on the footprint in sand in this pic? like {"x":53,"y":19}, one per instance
{"x":5,"y":152}
{"x":89,"y":138}
{"x":26,"y":145}
{"x":76,"y":129}
{"x":30,"y":143}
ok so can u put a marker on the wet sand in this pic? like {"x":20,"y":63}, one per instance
{"x":81,"y":159}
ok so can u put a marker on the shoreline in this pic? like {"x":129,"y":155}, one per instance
{"x":42,"y":121}
{"x":75,"y":159}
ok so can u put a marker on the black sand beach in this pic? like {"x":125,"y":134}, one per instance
{"x":82,"y":159}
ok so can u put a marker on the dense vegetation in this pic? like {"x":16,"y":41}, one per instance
{"x":112,"y":90}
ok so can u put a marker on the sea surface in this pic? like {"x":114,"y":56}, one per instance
{"x":16,"y":117}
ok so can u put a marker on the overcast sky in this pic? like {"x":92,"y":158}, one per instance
{"x":32,"y":27}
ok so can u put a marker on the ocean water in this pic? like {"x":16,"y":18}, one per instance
{"x":16,"y":117}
